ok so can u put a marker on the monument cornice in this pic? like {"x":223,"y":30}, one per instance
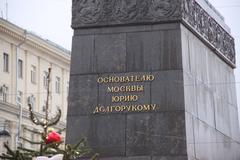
{"x":99,"y":13}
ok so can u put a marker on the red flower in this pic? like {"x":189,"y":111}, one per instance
{"x":52,"y":137}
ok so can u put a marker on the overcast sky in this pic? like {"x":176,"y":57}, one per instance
{"x":51,"y":19}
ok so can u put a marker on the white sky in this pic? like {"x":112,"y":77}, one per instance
{"x":51,"y":19}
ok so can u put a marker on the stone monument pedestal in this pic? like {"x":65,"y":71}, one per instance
{"x":153,"y":80}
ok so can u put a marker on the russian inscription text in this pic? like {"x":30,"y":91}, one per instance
{"x":129,"y":93}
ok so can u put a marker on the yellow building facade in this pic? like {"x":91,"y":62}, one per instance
{"x":24,"y":62}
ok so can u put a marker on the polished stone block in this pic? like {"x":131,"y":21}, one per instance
{"x":82,"y":95}
{"x":105,"y":133}
{"x":156,"y":134}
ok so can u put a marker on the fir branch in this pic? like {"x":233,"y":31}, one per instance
{"x":95,"y":156}
{"x":55,"y":119}
{"x":61,"y":130}
{"x":9,"y":151}
{"x":33,"y":131}
{"x":29,"y":141}
{"x":5,"y":156}
{"x":83,"y":140}
{"x":27,"y":150}
{"x":34,"y":118}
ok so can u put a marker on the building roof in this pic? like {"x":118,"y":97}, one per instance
{"x":33,"y":39}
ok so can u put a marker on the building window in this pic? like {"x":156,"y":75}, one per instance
{"x":45,"y":79}
{"x":31,"y":101}
{"x":5,"y":62}
{"x":33,"y":74}
{"x":57,"y":85}
{"x":19,"y":97}
{"x":4,"y":90}
{"x":44,"y":107}
{"x":20,"y":68}
{"x":4,"y":125}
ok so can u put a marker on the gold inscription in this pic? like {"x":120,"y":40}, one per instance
{"x":125,"y":108}
{"x":125,"y":79}
{"x":128,"y":98}
{"x":132,"y":88}
{"x":123,"y":89}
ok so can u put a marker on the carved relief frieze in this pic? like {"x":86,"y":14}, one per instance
{"x":111,"y":12}
{"x":87,"y":11}
{"x":126,"y":10}
{"x":162,"y":8}
{"x":204,"y":24}
{"x":92,"y":13}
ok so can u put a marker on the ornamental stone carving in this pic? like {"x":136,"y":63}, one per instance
{"x":206,"y":26}
{"x":162,"y":8}
{"x":94,"y":13}
{"x":126,"y":10}
{"x":87,"y":11}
